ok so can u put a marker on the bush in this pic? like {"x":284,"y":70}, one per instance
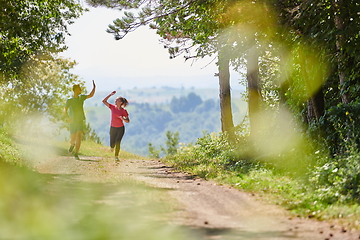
{"x":211,"y":156}
{"x":340,"y":126}
{"x":338,"y":180}
{"x":9,"y":152}
{"x":171,"y":146}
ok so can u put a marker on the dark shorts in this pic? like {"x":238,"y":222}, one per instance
{"x":76,"y":126}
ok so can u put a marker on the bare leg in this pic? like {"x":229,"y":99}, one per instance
{"x":78,"y":141}
{"x":72,"y":139}
{"x":117,"y":149}
{"x":72,"y":142}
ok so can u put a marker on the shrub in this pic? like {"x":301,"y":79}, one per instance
{"x":172,"y":143}
{"x":338,"y":180}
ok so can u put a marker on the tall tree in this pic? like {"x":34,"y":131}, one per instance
{"x":30,"y":29}
{"x":251,"y":35}
{"x":227,"y":123}
{"x":311,"y":30}
{"x":322,"y":24}
{"x":254,"y":91}
{"x":188,"y":27}
{"x":33,"y":80}
{"x":331,"y":28}
{"x":340,"y":27}
{"x":40,"y":90}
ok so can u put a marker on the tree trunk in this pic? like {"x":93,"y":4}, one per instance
{"x":285,"y":77}
{"x":339,"y":24}
{"x":227,"y":124}
{"x":315,"y":102}
{"x":315,"y":106}
{"x":254,"y":93}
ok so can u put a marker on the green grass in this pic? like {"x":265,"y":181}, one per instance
{"x":50,"y":207}
{"x":9,"y":152}
{"x":38,"y":206}
{"x":89,"y":148}
{"x":300,"y":194}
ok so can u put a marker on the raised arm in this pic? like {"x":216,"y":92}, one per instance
{"x":91,"y":94}
{"x":107,"y":97}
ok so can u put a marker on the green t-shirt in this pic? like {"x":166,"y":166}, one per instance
{"x":76,"y":107}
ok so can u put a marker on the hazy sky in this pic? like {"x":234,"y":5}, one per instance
{"x":139,"y":60}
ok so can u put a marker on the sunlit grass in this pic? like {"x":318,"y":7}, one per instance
{"x":47,"y":206}
{"x":209,"y":159}
{"x":31,"y":209}
{"x":89,"y":148}
{"x":9,"y":152}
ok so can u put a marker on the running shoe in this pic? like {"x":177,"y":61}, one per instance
{"x":76,"y":156}
{"x":116,"y":159}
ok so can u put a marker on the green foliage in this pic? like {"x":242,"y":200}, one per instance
{"x":151,"y":127}
{"x":182,"y":25}
{"x":9,"y":152}
{"x":333,"y":183}
{"x":333,"y":29}
{"x":338,"y":180}
{"x":153,"y":152}
{"x":31,"y":29}
{"x":38,"y":95}
{"x":48,"y":206}
{"x":185,"y":103}
{"x":90,"y":134}
{"x":151,"y":121}
{"x":339,"y":125}
{"x":34,"y":81}
{"x":303,"y":49}
{"x":172,"y":142}
{"x":208,"y":157}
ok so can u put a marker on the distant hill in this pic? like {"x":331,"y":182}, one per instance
{"x":154,"y":111}
{"x":158,"y":95}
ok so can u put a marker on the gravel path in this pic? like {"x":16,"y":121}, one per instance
{"x":206,"y":209}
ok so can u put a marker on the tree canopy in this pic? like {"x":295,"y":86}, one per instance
{"x":33,"y":79}
{"x":299,"y":55}
{"x":31,"y":29}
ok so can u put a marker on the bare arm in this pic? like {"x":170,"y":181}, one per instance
{"x":66,"y":112}
{"x":67,"y":115}
{"x":91,"y":94}
{"x":126,"y":119}
{"x":107,"y":97}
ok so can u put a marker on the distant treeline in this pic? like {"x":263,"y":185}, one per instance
{"x":189,"y":115}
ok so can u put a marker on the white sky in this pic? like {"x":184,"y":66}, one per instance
{"x":138,"y":60}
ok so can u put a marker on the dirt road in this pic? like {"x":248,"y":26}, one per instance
{"x":206,"y":209}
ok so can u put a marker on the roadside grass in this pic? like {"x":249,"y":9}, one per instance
{"x":89,"y":148}
{"x":32,"y":208}
{"x":307,"y":195}
{"x":9,"y":152}
{"x":53,"y":206}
